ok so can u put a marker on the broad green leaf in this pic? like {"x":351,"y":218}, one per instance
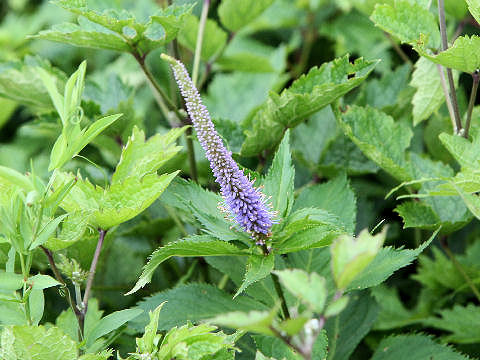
{"x":460,"y":321}
{"x":346,"y":330}
{"x":15,"y":178}
{"x":474,"y":8}
{"x":73,"y":228}
{"x":37,"y":305}
{"x":278,"y":183}
{"x":192,"y":302}
{"x":147,"y":343}
{"x":258,"y":267}
{"x":46,"y":232}
{"x":8,"y":107}
{"x":416,"y":214}
{"x":309,"y":288}
{"x":350,"y":255}
{"x":466,"y":153}
{"x":117,"y":30}
{"x":214,"y":38}
{"x":109,"y":323}
{"x":462,"y":55}
{"x":36,"y":343}
{"x":419,"y":347}
{"x":192,"y":246}
{"x":335,"y":196}
{"x":10,"y":281}
{"x":40,"y":282}
{"x":429,"y":95}
{"x":255,"y":321}
{"x":140,"y":157}
{"x":336,"y":306}
{"x":303,"y":98}
{"x":104,"y":355}
{"x":236,"y":14}
{"x":21,"y":82}
{"x":407,"y":21}
{"x":380,"y":138}
{"x":386,"y":262}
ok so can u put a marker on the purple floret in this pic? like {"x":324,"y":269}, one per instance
{"x":244,"y":202}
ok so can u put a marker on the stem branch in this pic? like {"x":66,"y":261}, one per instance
{"x":93,"y":267}
{"x":287,"y":340}
{"x":281,"y":295}
{"x":198,"y":45}
{"x":471,"y":103}
{"x":459,"y":267}
{"x":453,"y":94}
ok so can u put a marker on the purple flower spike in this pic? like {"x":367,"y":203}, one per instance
{"x":245,"y":203}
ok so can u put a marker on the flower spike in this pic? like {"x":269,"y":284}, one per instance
{"x":245,"y":203}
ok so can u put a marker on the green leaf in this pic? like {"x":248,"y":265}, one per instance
{"x":350,"y":256}
{"x":309,"y":288}
{"x":386,"y":262}
{"x":73,"y":228}
{"x":214,"y":38}
{"x":15,"y":178}
{"x":407,"y":21}
{"x":460,"y":321}
{"x":36,"y":342}
{"x":140,"y":157}
{"x":255,"y":321}
{"x":278,"y":183}
{"x":465,"y":152}
{"x":462,"y":55}
{"x":21,"y":82}
{"x":429,"y":94}
{"x":235,"y":15}
{"x":192,"y":302}
{"x":192,"y":246}
{"x":474,"y":8}
{"x":46,"y":232}
{"x":417,"y":214}
{"x":147,"y":343}
{"x":346,"y":330}
{"x":10,"y":281}
{"x":380,"y":138}
{"x":40,"y":282}
{"x":419,"y":347}
{"x":303,"y":98}
{"x":258,"y":267}
{"x":336,"y":306}
{"x":336,"y":196}
{"x":114,"y":30}
{"x":109,"y":323}
{"x":275,"y":348}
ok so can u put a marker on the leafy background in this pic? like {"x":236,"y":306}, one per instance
{"x":365,"y":109}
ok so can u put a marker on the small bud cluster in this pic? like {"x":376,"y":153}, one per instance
{"x":243,"y":200}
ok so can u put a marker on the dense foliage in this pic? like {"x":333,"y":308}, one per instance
{"x":239,"y":179}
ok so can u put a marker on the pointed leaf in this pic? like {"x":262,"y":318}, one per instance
{"x":258,"y":267}
{"x":236,"y":14}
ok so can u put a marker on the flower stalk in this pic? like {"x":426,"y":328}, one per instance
{"x":244,"y":202}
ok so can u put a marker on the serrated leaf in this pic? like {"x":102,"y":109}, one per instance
{"x":380,"y":138}
{"x":460,"y":321}
{"x":419,"y":347}
{"x":276,"y":348}
{"x":192,"y":302}
{"x":466,"y":153}
{"x":462,"y":55}
{"x":335,"y":196}
{"x":386,"y":262}
{"x":237,"y":14}
{"x":407,"y":20}
{"x":278,"y":183}
{"x":10,"y":281}
{"x":417,"y":214}
{"x":429,"y":94}
{"x":140,"y":157}
{"x":192,"y":246}
{"x":73,"y":228}
{"x":303,"y":98}
{"x":308,"y":288}
{"x":36,"y":342}
{"x":46,"y":232}
{"x":258,"y":267}
{"x":109,"y":323}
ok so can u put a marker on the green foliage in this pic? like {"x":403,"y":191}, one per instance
{"x":235,"y":15}
{"x":308,"y":94}
{"x":419,"y":346}
{"x":114,"y":30}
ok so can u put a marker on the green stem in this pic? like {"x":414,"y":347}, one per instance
{"x":223,"y":281}
{"x":281,"y":295}
{"x":447,"y":97}
{"x":459,"y":267}
{"x":26,"y":303}
{"x":288,"y":341}
{"x":399,"y":50}
{"x":471,"y":103}
{"x":198,"y":45}
{"x":451,"y":84}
